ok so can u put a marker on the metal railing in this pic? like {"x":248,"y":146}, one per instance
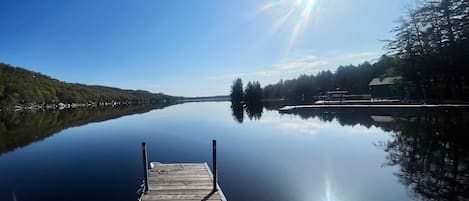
{"x":143,"y":188}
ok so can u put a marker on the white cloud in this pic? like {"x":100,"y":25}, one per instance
{"x":267,"y":73}
{"x":308,"y":63}
{"x":364,"y":130}
{"x":226,"y":76}
{"x":310,"y":127}
{"x":305,"y":64}
{"x":309,"y":58}
{"x":301,"y":65}
{"x":362,"y":55}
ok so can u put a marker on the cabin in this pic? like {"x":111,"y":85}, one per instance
{"x":386,"y":88}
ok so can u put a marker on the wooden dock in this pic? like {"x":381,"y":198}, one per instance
{"x":358,"y":106}
{"x":180,"y":181}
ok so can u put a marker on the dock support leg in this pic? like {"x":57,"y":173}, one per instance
{"x":145,"y":165}
{"x":214,"y":160}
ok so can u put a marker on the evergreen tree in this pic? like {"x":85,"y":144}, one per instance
{"x":237,"y":91}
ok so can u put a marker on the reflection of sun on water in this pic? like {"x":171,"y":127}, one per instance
{"x":302,"y":9}
{"x":330,"y":194}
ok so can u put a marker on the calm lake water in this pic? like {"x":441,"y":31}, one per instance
{"x":264,"y":155}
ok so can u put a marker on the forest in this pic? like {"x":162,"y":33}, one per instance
{"x":429,"y":49}
{"x":19,"y":86}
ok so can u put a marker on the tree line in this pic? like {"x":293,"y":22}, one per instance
{"x":251,"y":95}
{"x":249,"y":99}
{"x":432,"y":45}
{"x":354,"y":78}
{"x":429,"y":49}
{"x":19,"y":86}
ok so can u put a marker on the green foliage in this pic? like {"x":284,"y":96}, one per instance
{"x":354,"y":79}
{"x":21,"y":86}
{"x":253,"y":92}
{"x":432,"y":43}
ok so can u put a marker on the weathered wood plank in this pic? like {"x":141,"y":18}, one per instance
{"x":211,"y":199}
{"x":164,"y":170}
{"x":156,"y":179}
{"x":179,"y":176}
{"x":169,"y":183}
{"x":179,"y":192}
{"x":183,"y":187}
{"x":178,"y":165}
{"x":183,"y":197}
{"x":181,"y":182}
{"x":162,"y":173}
{"x":177,"y":170}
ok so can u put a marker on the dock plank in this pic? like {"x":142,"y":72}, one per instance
{"x":181,"y":182}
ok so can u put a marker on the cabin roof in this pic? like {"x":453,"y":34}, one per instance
{"x":384,"y":81}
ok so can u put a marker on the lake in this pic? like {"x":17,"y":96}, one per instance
{"x":263,"y":155}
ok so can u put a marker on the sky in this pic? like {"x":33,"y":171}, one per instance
{"x":192,"y":47}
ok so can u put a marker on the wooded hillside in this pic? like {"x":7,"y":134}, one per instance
{"x":21,"y":86}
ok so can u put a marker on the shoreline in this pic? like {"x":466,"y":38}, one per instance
{"x":380,"y":106}
{"x":64,"y":106}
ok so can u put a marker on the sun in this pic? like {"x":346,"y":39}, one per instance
{"x":298,"y":10}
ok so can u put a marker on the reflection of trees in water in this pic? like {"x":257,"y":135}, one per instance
{"x":430,"y":147}
{"x":343,"y":117}
{"x":254,"y":110}
{"x":432,"y":151}
{"x":18,"y":129}
{"x":237,"y":112}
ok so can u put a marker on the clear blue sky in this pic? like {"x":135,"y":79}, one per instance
{"x":191,"y":47}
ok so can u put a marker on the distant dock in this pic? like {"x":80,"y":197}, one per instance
{"x":180,"y":181}
{"x":371,"y":106}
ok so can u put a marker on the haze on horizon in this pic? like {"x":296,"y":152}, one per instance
{"x":192,"y":48}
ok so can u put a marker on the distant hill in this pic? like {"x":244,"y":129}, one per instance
{"x":19,"y":86}
{"x":206,"y":98}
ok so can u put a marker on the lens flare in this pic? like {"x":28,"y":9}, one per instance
{"x":279,"y":23}
{"x":270,"y":5}
{"x":300,"y":10}
{"x":303,"y":19}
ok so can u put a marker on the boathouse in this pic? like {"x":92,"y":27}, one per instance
{"x":386,"y":88}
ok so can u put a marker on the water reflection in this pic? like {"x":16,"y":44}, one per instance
{"x":19,"y":129}
{"x":237,"y":112}
{"x":429,"y":147}
{"x":433,"y":154}
{"x":317,"y":159}
{"x":253,"y":110}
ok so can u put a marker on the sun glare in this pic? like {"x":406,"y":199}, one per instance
{"x":300,"y":10}
{"x":330,"y":194}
